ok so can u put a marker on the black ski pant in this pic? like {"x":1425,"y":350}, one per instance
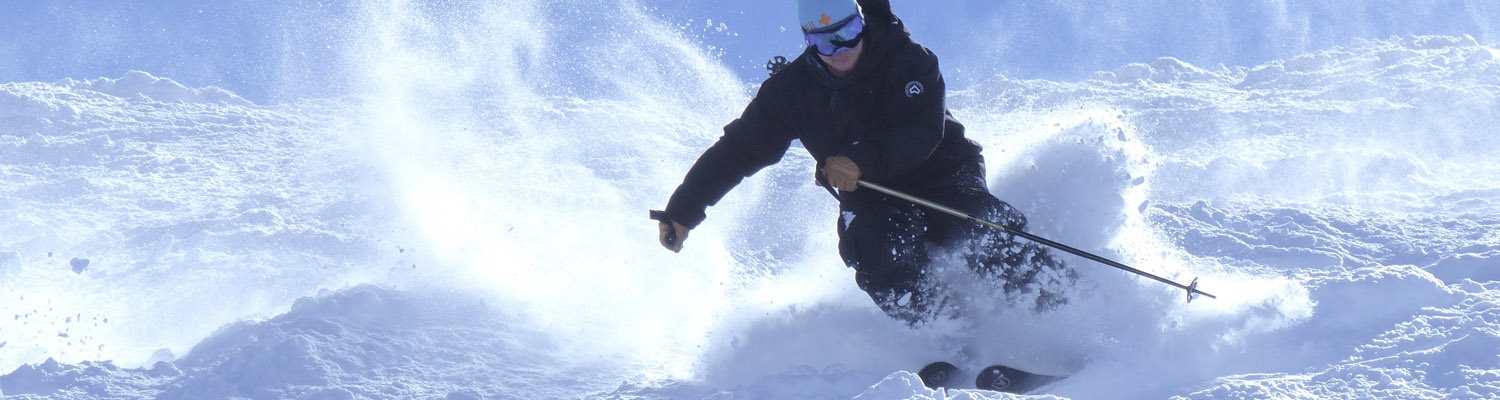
{"x":886,"y":240}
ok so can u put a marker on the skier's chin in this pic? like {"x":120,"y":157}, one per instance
{"x":843,"y":62}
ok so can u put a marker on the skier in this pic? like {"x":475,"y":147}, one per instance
{"x":868,"y":103}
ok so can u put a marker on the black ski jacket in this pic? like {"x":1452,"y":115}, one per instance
{"x":888,"y":115}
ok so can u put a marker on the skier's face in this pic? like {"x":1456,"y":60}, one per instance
{"x":840,"y":64}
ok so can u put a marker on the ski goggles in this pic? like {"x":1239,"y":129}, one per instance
{"x":837,"y":38}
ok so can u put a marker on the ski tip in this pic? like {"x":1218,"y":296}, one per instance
{"x":1000,"y":378}
{"x":939,"y":374}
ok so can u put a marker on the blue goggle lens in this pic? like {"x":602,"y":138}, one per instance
{"x":838,"y":37}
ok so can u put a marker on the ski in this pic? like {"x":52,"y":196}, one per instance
{"x":940,"y":374}
{"x":1001,"y":378}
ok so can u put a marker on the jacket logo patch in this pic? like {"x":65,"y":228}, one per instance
{"x":914,"y":88}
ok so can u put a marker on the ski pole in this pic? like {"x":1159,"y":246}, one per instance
{"x":1191,"y":288}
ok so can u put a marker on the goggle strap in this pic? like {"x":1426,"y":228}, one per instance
{"x":835,"y":26}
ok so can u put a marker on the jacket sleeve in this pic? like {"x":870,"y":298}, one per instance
{"x":757,"y":139}
{"x":917,"y":109}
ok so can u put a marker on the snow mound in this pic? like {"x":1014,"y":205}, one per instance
{"x":907,"y":385}
{"x":1163,"y":70}
{"x":360,"y":342}
{"x":137,"y":84}
{"x":1455,"y":268}
{"x":233,"y":200}
{"x":1446,"y":352}
{"x":1352,"y":124}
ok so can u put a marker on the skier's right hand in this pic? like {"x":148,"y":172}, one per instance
{"x":681,"y":235}
{"x":842,"y":173}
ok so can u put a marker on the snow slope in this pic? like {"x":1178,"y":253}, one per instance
{"x":437,"y":237}
{"x":133,"y":204}
{"x":277,"y":51}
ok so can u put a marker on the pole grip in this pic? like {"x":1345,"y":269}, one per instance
{"x":661,"y":216}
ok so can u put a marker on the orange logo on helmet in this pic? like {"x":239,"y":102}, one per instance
{"x":826,"y":20}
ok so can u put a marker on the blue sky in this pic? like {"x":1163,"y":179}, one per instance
{"x":277,"y":50}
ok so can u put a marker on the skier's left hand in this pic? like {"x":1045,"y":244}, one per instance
{"x":842,"y":173}
{"x":679,"y":232}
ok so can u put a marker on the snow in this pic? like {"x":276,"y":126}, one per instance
{"x":360,"y":342}
{"x":433,"y":236}
{"x":137,"y":83}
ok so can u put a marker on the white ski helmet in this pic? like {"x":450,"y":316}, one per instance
{"x":814,"y":14}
